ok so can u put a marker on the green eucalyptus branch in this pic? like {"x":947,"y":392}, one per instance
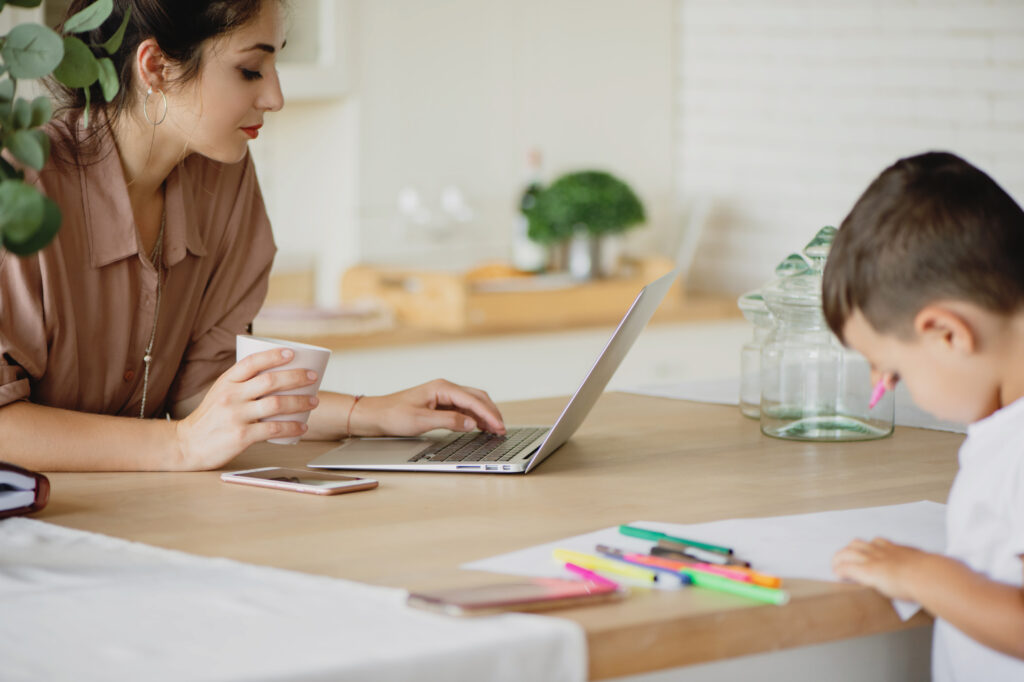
{"x":30,"y":51}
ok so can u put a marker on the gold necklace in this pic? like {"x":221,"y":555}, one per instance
{"x":157,"y":258}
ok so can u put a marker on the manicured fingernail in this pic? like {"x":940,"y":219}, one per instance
{"x":314,"y":401}
{"x":468,"y":424}
{"x":311,"y":376}
{"x":305,"y":427}
{"x":287,"y":354}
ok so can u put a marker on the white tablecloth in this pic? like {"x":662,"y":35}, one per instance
{"x":81,"y":606}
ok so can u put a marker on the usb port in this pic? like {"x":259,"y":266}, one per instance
{"x":491,"y":467}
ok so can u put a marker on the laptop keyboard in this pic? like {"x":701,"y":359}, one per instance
{"x":478,"y":446}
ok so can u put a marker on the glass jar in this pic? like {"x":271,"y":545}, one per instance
{"x":812,"y":388}
{"x":752,"y":305}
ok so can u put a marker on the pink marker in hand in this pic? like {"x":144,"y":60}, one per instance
{"x":877,"y":394}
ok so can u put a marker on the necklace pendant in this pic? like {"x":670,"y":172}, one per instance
{"x":148,"y":359}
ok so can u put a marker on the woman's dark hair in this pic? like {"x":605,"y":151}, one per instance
{"x":180,"y":27}
{"x":930,"y":227}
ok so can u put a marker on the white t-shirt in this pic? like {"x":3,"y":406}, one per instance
{"x":985,"y":530}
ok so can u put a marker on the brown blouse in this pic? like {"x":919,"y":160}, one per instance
{"x":75,"y":318}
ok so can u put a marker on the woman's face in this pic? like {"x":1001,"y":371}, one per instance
{"x":219,"y":111}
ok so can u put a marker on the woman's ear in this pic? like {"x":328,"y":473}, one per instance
{"x":944,"y":328}
{"x":151,"y":65}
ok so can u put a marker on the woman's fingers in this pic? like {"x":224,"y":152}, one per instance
{"x":275,"y":405}
{"x":275,"y":381}
{"x":250,"y":366}
{"x":474,"y":403}
{"x":261,"y":431}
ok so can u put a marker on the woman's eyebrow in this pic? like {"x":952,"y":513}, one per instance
{"x":266,"y":47}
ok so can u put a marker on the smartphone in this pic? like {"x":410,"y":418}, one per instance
{"x":535,"y":594}
{"x":316,"y":482}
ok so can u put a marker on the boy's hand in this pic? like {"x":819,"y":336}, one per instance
{"x":883,"y":565}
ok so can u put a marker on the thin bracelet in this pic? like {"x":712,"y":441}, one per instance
{"x":348,"y":422}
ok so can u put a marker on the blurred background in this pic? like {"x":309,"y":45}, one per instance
{"x":395,"y":174}
{"x":742,"y":126}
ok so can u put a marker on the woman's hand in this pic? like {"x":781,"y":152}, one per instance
{"x":226,"y":422}
{"x":437,"y":404}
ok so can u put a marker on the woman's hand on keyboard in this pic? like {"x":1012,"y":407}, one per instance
{"x":437,"y":404}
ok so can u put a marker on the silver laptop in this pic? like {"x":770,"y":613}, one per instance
{"x":523,"y":447}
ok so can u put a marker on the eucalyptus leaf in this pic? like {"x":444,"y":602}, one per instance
{"x":8,"y":172}
{"x":21,"y":212}
{"x":108,"y":78}
{"x":22,"y":113}
{"x":44,"y":233}
{"x":44,"y":141}
{"x":42,"y":111}
{"x":32,"y":51}
{"x":25,"y":3}
{"x":79,"y":68}
{"x":26,"y":148}
{"x":89,"y":18}
{"x":3,"y":68}
{"x":6,"y":90}
{"x":114,"y":43}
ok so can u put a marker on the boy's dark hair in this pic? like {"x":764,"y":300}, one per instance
{"x":929,"y":227}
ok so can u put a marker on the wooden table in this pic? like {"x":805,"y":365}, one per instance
{"x":634,"y":458}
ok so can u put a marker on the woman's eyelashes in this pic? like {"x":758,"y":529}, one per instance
{"x":250,"y":75}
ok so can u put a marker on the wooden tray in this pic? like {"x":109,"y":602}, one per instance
{"x":455,"y":302}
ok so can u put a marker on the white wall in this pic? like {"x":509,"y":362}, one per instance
{"x":455,"y":92}
{"x":790,"y":107}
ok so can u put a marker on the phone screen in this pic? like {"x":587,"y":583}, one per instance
{"x":301,"y":477}
{"x":301,"y":481}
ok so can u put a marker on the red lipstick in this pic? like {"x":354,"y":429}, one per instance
{"x":252,"y":131}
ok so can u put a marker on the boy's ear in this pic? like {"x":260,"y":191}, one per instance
{"x":947,"y":329}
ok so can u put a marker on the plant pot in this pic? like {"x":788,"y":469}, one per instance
{"x":558,"y":257}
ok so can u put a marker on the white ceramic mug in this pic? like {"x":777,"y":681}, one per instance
{"x":309,"y":357}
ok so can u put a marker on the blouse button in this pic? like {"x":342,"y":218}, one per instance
{"x":129,"y":375}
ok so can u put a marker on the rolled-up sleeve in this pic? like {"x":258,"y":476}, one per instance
{"x":23,"y":347}
{"x":236,"y":290}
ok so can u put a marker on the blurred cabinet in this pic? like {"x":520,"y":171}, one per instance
{"x":316,"y":63}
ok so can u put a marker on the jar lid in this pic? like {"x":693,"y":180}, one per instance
{"x":796,"y":283}
{"x":753,"y":307}
{"x":817,"y":249}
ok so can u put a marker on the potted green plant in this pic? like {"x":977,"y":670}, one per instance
{"x":584,"y":206}
{"x":31,"y":51}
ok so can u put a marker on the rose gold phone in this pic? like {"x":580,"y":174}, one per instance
{"x":315,"y":482}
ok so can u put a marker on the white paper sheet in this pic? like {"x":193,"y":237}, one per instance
{"x":726,"y":392}
{"x":799,"y":546}
{"x":80,"y":606}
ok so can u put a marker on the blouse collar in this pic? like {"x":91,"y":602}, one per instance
{"x":109,"y":220}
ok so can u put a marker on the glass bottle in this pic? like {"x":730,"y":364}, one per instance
{"x":752,"y":306}
{"x":528,"y":255}
{"x":812,"y":387}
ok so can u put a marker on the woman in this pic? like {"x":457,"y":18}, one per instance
{"x":163,"y":257}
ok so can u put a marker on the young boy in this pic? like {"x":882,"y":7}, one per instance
{"x":926,"y":279}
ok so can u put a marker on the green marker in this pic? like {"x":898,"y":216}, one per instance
{"x":655,"y":536}
{"x":741,"y":589}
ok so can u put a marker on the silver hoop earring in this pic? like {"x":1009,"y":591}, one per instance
{"x":145,"y":107}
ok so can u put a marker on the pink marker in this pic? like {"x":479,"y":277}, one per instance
{"x":877,"y":394}
{"x":590,"y":575}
